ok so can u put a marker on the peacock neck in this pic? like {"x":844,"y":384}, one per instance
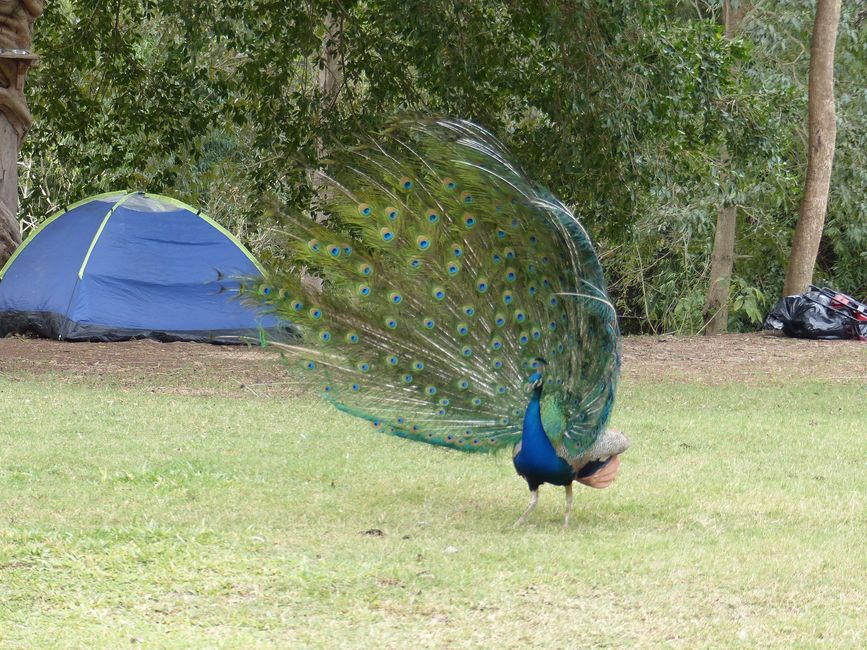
{"x":533,"y":437}
{"x":536,"y":460}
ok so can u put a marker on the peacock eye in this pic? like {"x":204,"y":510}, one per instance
{"x":422,"y":242}
{"x":364,"y":209}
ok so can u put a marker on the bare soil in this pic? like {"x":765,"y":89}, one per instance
{"x":194,"y":368}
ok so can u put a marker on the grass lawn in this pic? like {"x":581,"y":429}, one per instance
{"x":132,"y":515}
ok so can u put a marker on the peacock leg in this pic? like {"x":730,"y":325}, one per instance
{"x":534,"y":499}
{"x":568,"y":505}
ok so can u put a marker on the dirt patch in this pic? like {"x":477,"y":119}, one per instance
{"x":193,"y":368}
{"x":749,"y":358}
{"x":180,"y":368}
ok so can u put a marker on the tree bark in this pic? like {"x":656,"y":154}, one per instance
{"x":716,"y":307}
{"x":16,"y":29}
{"x":820,"y":156}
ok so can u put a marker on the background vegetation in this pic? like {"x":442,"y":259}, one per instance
{"x":620,"y":108}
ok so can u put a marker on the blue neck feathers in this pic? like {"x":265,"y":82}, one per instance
{"x":537,"y":461}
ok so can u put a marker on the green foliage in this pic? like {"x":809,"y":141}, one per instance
{"x":620,"y":109}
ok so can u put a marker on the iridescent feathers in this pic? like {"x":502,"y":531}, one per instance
{"x":437,"y":278}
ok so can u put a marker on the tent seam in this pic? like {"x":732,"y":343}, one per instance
{"x":99,"y":230}
{"x":50,"y":219}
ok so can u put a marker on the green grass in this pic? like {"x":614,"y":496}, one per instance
{"x":175,"y":521}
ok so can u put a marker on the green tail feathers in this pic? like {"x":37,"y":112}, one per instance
{"x":435,"y":278}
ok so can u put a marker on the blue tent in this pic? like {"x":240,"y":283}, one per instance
{"x":129,"y":265}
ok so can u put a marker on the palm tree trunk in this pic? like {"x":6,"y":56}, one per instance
{"x":16,"y":30}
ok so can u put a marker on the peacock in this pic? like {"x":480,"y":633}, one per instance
{"x":445,"y":298}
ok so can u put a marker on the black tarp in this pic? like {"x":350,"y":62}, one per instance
{"x":819,"y":314}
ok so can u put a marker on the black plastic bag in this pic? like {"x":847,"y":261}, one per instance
{"x":819,"y":314}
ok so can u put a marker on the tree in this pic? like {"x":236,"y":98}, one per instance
{"x":716,"y":309}
{"x":16,"y":25}
{"x":820,"y":155}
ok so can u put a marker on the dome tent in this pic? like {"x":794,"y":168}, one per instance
{"x":129,"y":265}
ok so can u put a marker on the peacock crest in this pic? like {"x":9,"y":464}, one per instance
{"x":438,"y":281}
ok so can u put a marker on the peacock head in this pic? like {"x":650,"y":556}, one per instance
{"x":536,"y":381}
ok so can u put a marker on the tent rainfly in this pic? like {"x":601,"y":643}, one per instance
{"x":130,"y":265}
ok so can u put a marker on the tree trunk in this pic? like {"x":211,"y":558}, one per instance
{"x":716,"y":308}
{"x":16,"y":28}
{"x":329,"y":79}
{"x":10,"y":232}
{"x":820,"y":156}
{"x":330,"y":70}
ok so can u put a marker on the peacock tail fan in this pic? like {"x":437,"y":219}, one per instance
{"x":437,"y":279}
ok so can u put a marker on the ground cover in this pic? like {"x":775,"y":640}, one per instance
{"x":181,"y":495}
